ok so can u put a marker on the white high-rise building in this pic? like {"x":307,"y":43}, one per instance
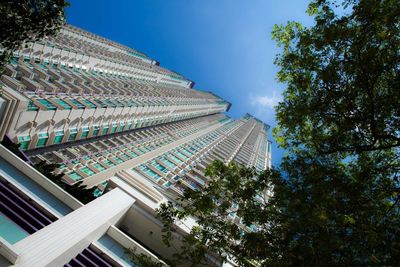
{"x":110,"y":117}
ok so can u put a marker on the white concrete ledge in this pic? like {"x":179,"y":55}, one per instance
{"x":127,"y":242}
{"x":59,"y":242}
{"x":40,"y":179}
{"x":7,"y":251}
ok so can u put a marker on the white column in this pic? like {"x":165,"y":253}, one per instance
{"x":59,"y":242}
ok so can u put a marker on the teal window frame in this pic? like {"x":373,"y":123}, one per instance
{"x":109,"y":163}
{"x":129,"y":125}
{"x":117,"y":159}
{"x":24,"y":142}
{"x":75,"y":176}
{"x":96,"y":130}
{"x":32,"y":107}
{"x":89,"y":103}
{"x":73,"y":132}
{"x":105,"y":130}
{"x":62,"y":103}
{"x":47,"y":104}
{"x":87,"y":171}
{"x":103,"y":105}
{"x":59,"y":135}
{"x":78,"y":104}
{"x":85,"y":132}
{"x":42,"y":139}
{"x":99,"y":167}
{"x":114,"y":128}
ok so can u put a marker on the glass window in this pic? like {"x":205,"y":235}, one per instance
{"x":32,"y":107}
{"x":24,"y":142}
{"x":160,"y":167}
{"x":62,"y":103}
{"x":47,"y":104}
{"x":169,"y":163}
{"x":43,"y":137}
{"x":118,"y":160}
{"x":114,"y":128}
{"x":129,"y":125}
{"x":109,"y":163}
{"x":133,"y":154}
{"x":90,"y":104}
{"x":85,"y":132}
{"x":87,"y":171}
{"x":73,"y":132}
{"x":59,"y":137}
{"x":99,"y":167}
{"x":75,"y":176}
{"x":96,"y":130}
{"x":105,"y":130}
{"x":104,"y":105}
{"x":78,"y":104}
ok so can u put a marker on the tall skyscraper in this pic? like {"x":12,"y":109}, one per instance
{"x":110,"y":117}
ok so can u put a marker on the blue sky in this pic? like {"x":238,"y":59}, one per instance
{"x":224,"y":46}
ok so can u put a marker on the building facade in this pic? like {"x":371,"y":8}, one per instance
{"x":109,"y":117}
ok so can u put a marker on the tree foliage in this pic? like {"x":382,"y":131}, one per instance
{"x":142,"y":259}
{"x":332,"y":213}
{"x":335,"y":199}
{"x":342,"y":77}
{"x":79,"y":191}
{"x":232,"y":192}
{"x":325,"y":213}
{"x":28,"y":20}
{"x":340,"y":115}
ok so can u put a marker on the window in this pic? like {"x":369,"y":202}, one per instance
{"x":95,"y":130}
{"x":47,"y":104}
{"x":62,"y":103}
{"x":118,"y":160}
{"x":87,"y":171}
{"x":105,"y":129}
{"x":114,"y":127}
{"x":78,"y":104}
{"x":32,"y":107}
{"x":133,"y":154}
{"x":160,"y":167}
{"x":43,"y":137}
{"x":24,"y":142}
{"x":129,"y":125}
{"x":74,"y":176}
{"x":90,"y":104}
{"x":73,"y":132}
{"x":85,"y":132}
{"x":59,"y":137}
{"x":109,"y":163}
{"x":99,"y":167}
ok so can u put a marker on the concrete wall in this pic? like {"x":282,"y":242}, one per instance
{"x":40,"y":179}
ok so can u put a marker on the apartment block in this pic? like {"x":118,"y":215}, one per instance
{"x":115,"y":121}
{"x":77,"y":86}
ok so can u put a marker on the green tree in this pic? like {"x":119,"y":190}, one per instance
{"x":325,"y":213}
{"x":335,"y":199}
{"x":79,"y":191}
{"x":142,"y":259}
{"x":341,"y":105}
{"x":27,"y":20}
{"x":331,"y":213}
{"x":232,"y":192}
{"x":342,"y":77}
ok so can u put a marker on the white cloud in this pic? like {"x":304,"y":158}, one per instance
{"x":266,"y":101}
